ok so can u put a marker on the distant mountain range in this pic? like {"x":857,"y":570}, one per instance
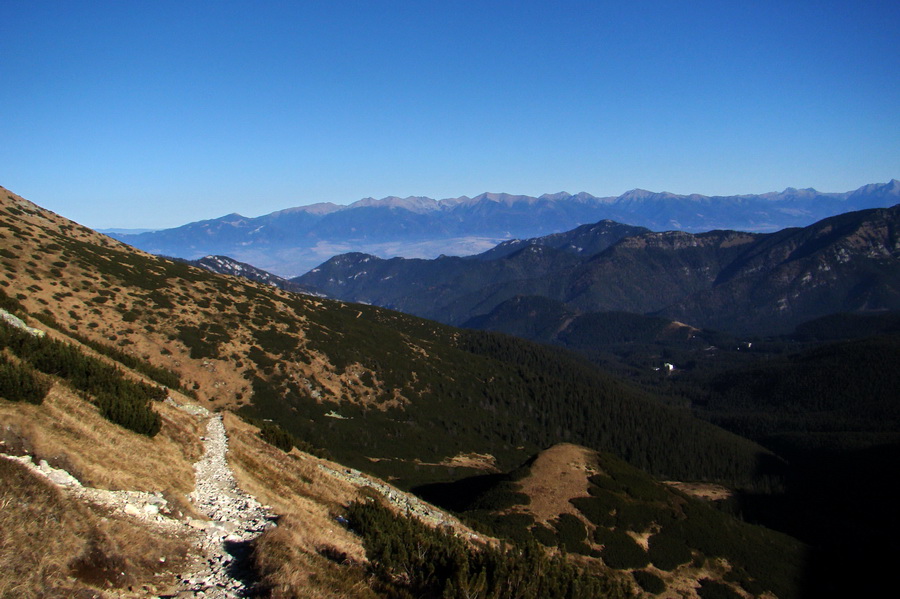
{"x":747,"y":283}
{"x":292,"y":241}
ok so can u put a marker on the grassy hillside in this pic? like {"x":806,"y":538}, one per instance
{"x":380,"y":390}
{"x":408,"y":399}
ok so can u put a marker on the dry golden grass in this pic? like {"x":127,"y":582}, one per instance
{"x":308,"y":554}
{"x":556,"y":476}
{"x":706,"y":491}
{"x":69,"y":292}
{"x":71,"y":550}
{"x":289,"y":570}
{"x":69,"y":433}
{"x":33,"y":510}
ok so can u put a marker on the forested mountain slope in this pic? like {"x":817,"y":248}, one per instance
{"x":364,"y":383}
{"x":411,"y":400}
{"x":736,"y":282}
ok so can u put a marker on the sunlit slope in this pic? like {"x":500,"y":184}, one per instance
{"x":381,"y":390}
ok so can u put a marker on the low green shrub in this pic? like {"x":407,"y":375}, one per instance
{"x":668,"y":551}
{"x":409,"y":559}
{"x":544,"y":535}
{"x":620,"y":551}
{"x":636,"y":516}
{"x":596,"y":510}
{"x":713,"y":589}
{"x":19,"y":382}
{"x":275,"y":435}
{"x":649,"y":582}
{"x":572,"y":534}
{"x":121,"y":400}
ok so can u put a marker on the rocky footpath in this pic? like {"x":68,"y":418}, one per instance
{"x":220,"y":567}
{"x":223,"y":541}
{"x":235,"y":519}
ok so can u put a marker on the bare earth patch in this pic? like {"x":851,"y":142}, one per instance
{"x":479,"y":461}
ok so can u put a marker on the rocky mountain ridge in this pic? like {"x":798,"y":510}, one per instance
{"x":748,"y":283}
{"x":224,"y":265}
{"x":292,"y":241}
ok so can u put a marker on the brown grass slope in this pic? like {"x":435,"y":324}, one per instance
{"x":54,"y":545}
{"x":62,"y":271}
{"x":199,"y":324}
{"x":76,"y":284}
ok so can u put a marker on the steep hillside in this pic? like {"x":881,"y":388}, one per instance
{"x":94,"y":506}
{"x":381,"y":390}
{"x":291,"y":242}
{"x":741,"y":283}
{"x":845,"y":263}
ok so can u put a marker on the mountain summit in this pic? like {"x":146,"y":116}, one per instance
{"x":749,"y":283}
{"x":292,"y":241}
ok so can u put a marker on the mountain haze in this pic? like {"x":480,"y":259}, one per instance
{"x":292,"y":241}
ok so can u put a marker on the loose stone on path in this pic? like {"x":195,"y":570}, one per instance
{"x":236,"y":518}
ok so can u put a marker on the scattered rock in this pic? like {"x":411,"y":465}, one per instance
{"x":236,"y":518}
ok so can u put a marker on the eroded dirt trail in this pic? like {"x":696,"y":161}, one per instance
{"x":235,"y":519}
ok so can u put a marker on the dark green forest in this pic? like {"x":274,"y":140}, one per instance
{"x":409,"y":559}
{"x":491,"y":393}
{"x":120,"y":400}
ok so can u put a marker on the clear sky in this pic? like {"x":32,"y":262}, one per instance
{"x":156,"y":113}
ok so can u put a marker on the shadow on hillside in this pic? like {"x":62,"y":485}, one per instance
{"x":241,"y":566}
{"x":458,"y":496}
{"x":844,"y":507}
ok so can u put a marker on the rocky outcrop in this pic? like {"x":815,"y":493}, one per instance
{"x":19,"y":323}
{"x":407,"y":503}
{"x":150,"y":508}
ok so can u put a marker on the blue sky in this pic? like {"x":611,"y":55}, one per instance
{"x":154,"y":114}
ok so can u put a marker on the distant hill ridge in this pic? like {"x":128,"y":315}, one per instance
{"x":747,"y":283}
{"x":292,"y":241}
